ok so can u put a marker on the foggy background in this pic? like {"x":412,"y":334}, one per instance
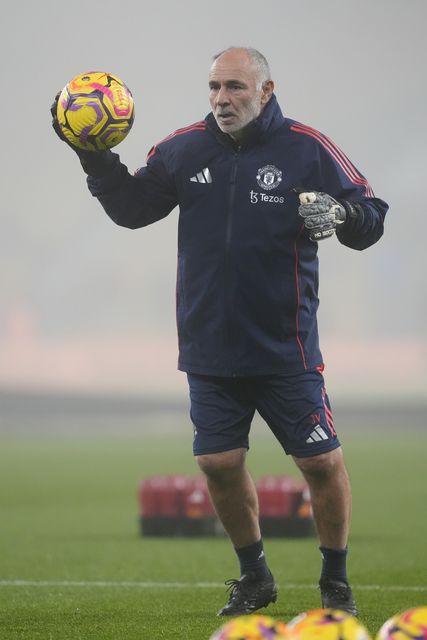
{"x":89,"y":307}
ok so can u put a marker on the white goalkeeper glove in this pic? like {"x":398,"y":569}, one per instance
{"x":322,"y":213}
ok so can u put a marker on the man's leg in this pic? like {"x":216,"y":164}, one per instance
{"x":233,"y":494}
{"x":234,"y":497}
{"x":297,"y":410}
{"x":330,"y":490}
{"x":329,"y":484}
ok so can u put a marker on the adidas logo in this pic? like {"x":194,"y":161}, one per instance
{"x":203,"y":176}
{"x":317,"y":434}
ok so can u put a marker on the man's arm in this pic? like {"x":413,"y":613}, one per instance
{"x":324,"y":216}
{"x":364,"y":220}
{"x":359,"y":222}
{"x":137,"y":200}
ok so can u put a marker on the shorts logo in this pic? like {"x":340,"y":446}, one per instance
{"x":317,"y":435}
{"x":269,"y":177}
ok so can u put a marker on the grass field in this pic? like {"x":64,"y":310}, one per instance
{"x":73,"y":565}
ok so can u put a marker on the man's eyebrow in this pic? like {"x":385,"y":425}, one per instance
{"x":227,"y":82}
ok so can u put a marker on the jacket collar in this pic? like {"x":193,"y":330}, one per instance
{"x":269,"y":120}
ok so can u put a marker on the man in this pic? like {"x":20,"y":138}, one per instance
{"x":256,"y":191}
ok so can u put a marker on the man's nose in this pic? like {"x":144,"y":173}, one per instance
{"x":222,"y":96}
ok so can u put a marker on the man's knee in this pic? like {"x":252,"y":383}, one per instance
{"x":224,"y":463}
{"x":323,"y":465}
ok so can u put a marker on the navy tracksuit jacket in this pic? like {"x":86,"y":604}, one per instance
{"x":247,"y":273}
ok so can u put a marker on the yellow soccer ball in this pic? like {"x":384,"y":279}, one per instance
{"x":252,"y":627}
{"x":326,"y":624}
{"x":95,"y":111}
{"x":409,"y":625}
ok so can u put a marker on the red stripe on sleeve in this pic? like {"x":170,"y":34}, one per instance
{"x":197,"y":126}
{"x":338,"y":155}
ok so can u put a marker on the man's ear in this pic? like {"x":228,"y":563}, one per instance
{"x":267,"y":91}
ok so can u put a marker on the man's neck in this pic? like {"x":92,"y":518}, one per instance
{"x":243,"y":133}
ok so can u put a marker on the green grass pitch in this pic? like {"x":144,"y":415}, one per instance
{"x":73,"y":565}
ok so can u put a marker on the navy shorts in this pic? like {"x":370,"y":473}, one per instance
{"x":295,"y":407}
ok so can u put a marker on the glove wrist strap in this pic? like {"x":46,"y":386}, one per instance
{"x":353,"y":210}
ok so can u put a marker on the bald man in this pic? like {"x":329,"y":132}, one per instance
{"x":256,"y":192}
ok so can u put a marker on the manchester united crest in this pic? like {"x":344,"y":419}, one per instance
{"x":269,"y":177}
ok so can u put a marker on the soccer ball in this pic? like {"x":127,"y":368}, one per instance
{"x":409,"y":625}
{"x":326,"y":624}
{"x":253,"y":627}
{"x":95,"y":111}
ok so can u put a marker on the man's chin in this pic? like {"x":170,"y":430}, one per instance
{"x":231,"y":129}
{"x":237,"y":133}
{"x":225,"y":126}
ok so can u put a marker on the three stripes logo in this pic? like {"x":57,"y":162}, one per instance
{"x":317,"y":435}
{"x":204,"y":177}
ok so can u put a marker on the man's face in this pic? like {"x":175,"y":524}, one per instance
{"x":234,"y":96}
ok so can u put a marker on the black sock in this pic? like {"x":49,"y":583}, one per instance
{"x":334,"y":565}
{"x":252,"y":558}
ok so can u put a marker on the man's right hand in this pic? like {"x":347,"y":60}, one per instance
{"x":55,"y":123}
{"x":53,"y":112}
{"x":94,"y":163}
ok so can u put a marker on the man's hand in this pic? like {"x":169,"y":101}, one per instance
{"x":321,"y":214}
{"x":57,"y":127}
{"x":55,"y":123}
{"x":94,"y":163}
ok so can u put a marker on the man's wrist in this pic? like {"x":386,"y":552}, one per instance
{"x":96,"y":163}
{"x":353,"y":212}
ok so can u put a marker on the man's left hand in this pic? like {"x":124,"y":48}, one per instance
{"x":321,"y":214}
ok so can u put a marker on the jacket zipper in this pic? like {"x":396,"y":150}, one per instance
{"x":229,"y":334}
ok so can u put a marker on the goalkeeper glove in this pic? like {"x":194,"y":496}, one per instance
{"x":322,"y":213}
{"x":94,"y":163}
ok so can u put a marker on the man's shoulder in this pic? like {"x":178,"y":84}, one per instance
{"x":309,"y":135}
{"x":189,"y":131}
{"x":180,"y":138}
